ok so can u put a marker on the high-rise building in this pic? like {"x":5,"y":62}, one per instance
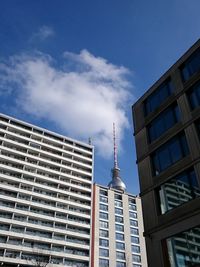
{"x":167,"y":136}
{"x":45,"y":197}
{"x":117,"y":225}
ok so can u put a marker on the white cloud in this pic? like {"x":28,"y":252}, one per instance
{"x":43,"y":33}
{"x":84,"y":97}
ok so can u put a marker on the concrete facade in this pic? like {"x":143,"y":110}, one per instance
{"x":45,"y":197}
{"x":164,"y":228}
{"x":118,"y":226}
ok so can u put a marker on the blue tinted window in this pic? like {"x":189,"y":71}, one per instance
{"x":135,"y":249}
{"x":163,"y":122}
{"x":194,"y":96}
{"x":169,"y":153}
{"x":120,"y":245}
{"x":157,"y":97}
{"x":103,"y":242}
{"x":135,"y":240}
{"x":103,"y":263}
{"x":191,"y":66}
{"x":178,"y":190}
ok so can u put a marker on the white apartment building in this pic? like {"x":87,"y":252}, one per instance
{"x":118,"y":229}
{"x":45,"y":197}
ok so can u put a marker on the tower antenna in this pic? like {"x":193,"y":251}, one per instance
{"x":115,"y":148}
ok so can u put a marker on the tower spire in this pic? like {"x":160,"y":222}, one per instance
{"x":116,"y":182}
{"x":115,"y":147}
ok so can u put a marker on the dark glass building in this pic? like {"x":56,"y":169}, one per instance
{"x":167,"y":135}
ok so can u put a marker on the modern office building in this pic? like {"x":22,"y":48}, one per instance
{"x":117,"y":225}
{"x":45,"y":197}
{"x":167,"y":136}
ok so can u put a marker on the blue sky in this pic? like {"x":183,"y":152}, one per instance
{"x":76,"y":66}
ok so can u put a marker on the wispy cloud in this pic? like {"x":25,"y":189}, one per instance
{"x":43,"y":33}
{"x":83,"y":97}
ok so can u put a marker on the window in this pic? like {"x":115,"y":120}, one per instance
{"x":120,"y":255}
{"x":158,"y":97}
{"x":121,"y":264}
{"x":119,"y":211}
{"x":137,"y":265}
{"x":103,"y":192}
{"x":103,"y":252}
{"x":119,"y":219}
{"x":120,"y":246}
{"x":131,"y":200}
{"x":194,"y":96}
{"x":135,"y":240}
{"x":118,"y":197}
{"x":103,"y":215}
{"x":118,"y":203}
{"x":103,"y":242}
{"x":103,"y":224}
{"x":134,"y":231}
{"x":103,"y":207}
{"x":135,"y":249}
{"x":169,"y":153}
{"x":119,"y":237}
{"x":184,"y":248}
{"x":119,"y":227}
{"x":103,"y":199}
{"x":103,"y":263}
{"x":103,"y":233}
{"x":191,"y":66}
{"x":133,"y":223}
{"x":132,"y":207}
{"x":163,"y":122}
{"x":178,"y":190}
{"x":132,"y":215}
{"x":136,"y":258}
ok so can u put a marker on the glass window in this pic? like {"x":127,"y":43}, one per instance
{"x":103,"y":207}
{"x":163,"y":122}
{"x":119,"y":227}
{"x":133,"y":223}
{"x":178,"y":190}
{"x":136,"y":258}
{"x":169,"y":153}
{"x":137,"y":265}
{"x":119,"y":211}
{"x":118,"y":203}
{"x":103,"y":199}
{"x":120,"y":245}
{"x":103,"y":233}
{"x":158,"y":97}
{"x":103,"y":242}
{"x":132,"y":215}
{"x":135,"y":249}
{"x":103,"y":192}
{"x":191,"y":66}
{"x":103,"y":252}
{"x":103,"y":215}
{"x":194,"y":96}
{"x":184,"y":248}
{"x":103,"y":224}
{"x":118,"y":197}
{"x":135,"y":240}
{"x":121,"y":264}
{"x":119,"y":219}
{"x":103,"y":263}
{"x":120,"y":255}
{"x":134,"y":231}
{"x":119,"y":237}
{"x":132,"y":207}
{"x":131,"y":200}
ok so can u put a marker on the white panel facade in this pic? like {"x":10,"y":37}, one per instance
{"x":45,"y":196}
{"x":118,"y":223}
